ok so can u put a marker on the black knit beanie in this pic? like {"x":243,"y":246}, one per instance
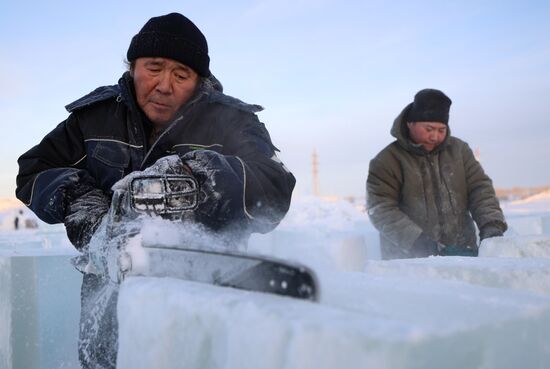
{"x":430,"y":106}
{"x":175,"y":37}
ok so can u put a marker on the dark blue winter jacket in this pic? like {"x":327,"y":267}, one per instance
{"x":105,"y":138}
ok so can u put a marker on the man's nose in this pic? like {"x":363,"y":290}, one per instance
{"x":164,"y":84}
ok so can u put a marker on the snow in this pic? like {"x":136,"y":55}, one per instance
{"x":438,"y":312}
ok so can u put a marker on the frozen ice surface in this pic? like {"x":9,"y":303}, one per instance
{"x":535,"y":246}
{"x":363,"y":321}
{"x":439,"y":312}
{"x":39,"y":294}
{"x":39,"y":300}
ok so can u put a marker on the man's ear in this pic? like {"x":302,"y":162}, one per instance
{"x":131,"y":67}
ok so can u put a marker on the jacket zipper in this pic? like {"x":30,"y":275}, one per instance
{"x":179,"y":118}
{"x":437,"y":193}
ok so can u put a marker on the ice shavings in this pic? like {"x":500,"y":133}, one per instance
{"x":312,"y":212}
{"x":158,"y":231}
{"x":134,"y":257}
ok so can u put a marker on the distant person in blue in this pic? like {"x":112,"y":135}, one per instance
{"x":167,"y":104}
{"x":426,"y":189}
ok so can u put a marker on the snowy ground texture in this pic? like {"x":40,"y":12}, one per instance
{"x":454,"y":312}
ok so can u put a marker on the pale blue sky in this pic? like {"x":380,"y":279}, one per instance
{"x":332,"y":75}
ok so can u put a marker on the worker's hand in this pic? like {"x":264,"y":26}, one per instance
{"x":171,"y":164}
{"x":220,"y":179}
{"x":424,"y":246}
{"x":86,"y":208}
{"x":490,"y":230}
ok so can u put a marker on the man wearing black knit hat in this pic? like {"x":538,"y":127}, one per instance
{"x":168,"y":116}
{"x":426,"y":189}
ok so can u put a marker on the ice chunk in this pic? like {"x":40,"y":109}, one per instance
{"x":516,"y":247}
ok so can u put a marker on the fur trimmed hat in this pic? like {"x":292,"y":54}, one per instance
{"x":175,"y":37}
{"x":430,"y":105}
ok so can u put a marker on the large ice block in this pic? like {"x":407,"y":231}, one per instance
{"x":39,"y":310}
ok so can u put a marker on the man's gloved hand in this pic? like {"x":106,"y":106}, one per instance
{"x":490,"y":230}
{"x":424,"y":246}
{"x":221,"y":186}
{"x":171,"y":164}
{"x":220,"y":179}
{"x":84,"y":211}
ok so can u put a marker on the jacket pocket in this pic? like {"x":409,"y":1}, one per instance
{"x":182,"y":149}
{"x":112,"y":153}
{"x":109,"y":161}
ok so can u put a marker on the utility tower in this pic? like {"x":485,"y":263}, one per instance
{"x":315,"y":173}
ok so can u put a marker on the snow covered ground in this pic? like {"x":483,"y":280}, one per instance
{"x":454,"y":312}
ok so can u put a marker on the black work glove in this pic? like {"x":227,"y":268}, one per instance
{"x":165,"y":166}
{"x":490,"y":230}
{"x":424,"y":246}
{"x":170,"y":164}
{"x":84,"y":211}
{"x":221,"y":187}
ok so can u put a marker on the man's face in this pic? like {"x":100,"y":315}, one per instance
{"x":427,"y":134}
{"x":162,"y":87}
